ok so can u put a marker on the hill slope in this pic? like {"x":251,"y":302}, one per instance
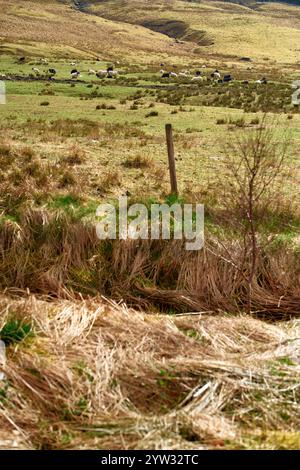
{"x":269,"y":30}
{"x":145,"y":30}
{"x":56,"y":27}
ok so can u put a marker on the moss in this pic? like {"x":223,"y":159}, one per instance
{"x":15,"y":331}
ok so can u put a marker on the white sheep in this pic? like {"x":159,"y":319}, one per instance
{"x":101,"y":73}
{"x":112,"y":73}
{"x":216,"y":75}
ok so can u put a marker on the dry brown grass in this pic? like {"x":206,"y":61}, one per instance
{"x":28,"y":178}
{"x":56,"y":253}
{"x":100,"y":375}
{"x":75,"y":156}
{"x":218,"y":24}
{"x":52,"y":28}
{"x":138,"y":161}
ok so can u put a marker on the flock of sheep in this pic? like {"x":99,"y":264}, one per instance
{"x":201,"y":77}
{"x":110,"y":72}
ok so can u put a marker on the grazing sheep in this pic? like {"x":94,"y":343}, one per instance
{"x":73,"y":64}
{"x":227,"y":78}
{"x":262,"y":81}
{"x":75,"y":74}
{"x":101,"y":73}
{"x":92,"y":72}
{"x":112,"y":74}
{"x":173,"y":75}
{"x":182,"y":74}
{"x":52,"y":72}
{"x":197,"y":79}
{"x":216,"y":74}
{"x":35,"y":69}
{"x":165,"y":75}
{"x":43,"y":61}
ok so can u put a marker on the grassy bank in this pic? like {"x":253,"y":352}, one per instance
{"x":96,"y":375}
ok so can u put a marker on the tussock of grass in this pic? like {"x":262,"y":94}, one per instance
{"x":100,"y":375}
{"x":26,"y":178}
{"x":139,"y":161}
{"x":57,"y":252}
{"x":75,"y":156}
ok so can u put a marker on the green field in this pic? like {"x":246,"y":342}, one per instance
{"x":200,"y":130}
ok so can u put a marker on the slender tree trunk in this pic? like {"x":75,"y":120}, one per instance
{"x":253,"y":250}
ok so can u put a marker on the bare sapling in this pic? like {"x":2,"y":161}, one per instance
{"x":253,"y":166}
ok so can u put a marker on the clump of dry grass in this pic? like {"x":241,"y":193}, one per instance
{"x":75,"y":156}
{"x":100,"y":375}
{"x":149,"y":273}
{"x":55,"y":252}
{"x":65,"y":128}
{"x":26,"y":177}
{"x":110,"y":179}
{"x":139,"y":161}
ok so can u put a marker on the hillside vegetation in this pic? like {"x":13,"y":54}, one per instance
{"x":266,"y":32}
{"x":141,"y":344}
{"x":52,"y":27}
{"x":114,"y":28}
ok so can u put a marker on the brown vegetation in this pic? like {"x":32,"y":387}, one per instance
{"x":98,"y":375}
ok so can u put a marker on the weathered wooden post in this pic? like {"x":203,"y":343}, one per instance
{"x":171,"y":158}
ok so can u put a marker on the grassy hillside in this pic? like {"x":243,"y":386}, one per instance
{"x":112,"y":28}
{"x":269,"y":31}
{"x":51,"y":27}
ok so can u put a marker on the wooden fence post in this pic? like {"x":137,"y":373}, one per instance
{"x":171,"y":158}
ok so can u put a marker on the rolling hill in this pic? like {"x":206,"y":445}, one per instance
{"x":147,"y":31}
{"x":225,"y":29}
{"x":52,"y":27}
